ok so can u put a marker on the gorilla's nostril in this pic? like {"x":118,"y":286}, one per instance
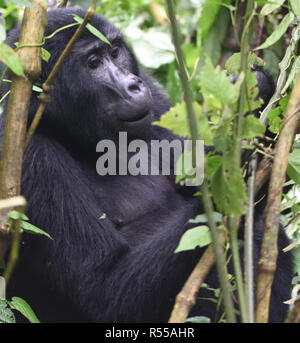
{"x":134,"y":88}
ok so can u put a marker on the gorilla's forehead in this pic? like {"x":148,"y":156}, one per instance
{"x":58,"y":18}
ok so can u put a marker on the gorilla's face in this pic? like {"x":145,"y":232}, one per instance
{"x":99,"y":89}
{"x":128,"y":99}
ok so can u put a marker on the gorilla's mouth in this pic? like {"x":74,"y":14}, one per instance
{"x":131,"y":109}
{"x":135,"y":118}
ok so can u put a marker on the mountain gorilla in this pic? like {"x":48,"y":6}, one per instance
{"x":112,"y":255}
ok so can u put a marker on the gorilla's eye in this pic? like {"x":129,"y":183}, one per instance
{"x":93,"y":61}
{"x":114,"y":53}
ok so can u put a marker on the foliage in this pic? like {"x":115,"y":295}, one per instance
{"x":210,"y":33}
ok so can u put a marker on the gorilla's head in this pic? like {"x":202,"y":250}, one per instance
{"x":99,"y":90}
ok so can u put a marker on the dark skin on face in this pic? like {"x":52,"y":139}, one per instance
{"x":130,"y":98}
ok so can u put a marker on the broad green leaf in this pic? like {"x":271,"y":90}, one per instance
{"x":212,"y":164}
{"x":176,"y":121}
{"x":92,"y":29}
{"x":152,"y":48}
{"x":216,"y":86}
{"x":191,"y":54}
{"x":29,"y":228}
{"x":6,"y":314}
{"x":222,"y":139}
{"x":269,"y":8}
{"x":274,"y":117}
{"x":23,"y":307}
{"x":278,"y":32}
{"x":198,"y":236}
{"x":209,"y":13}
{"x":234,"y":62}
{"x":228,"y":187}
{"x":11,"y":59}
{"x":201,"y":218}
{"x":212,"y":42}
{"x":252,"y":102}
{"x":295,"y":6}
{"x":293,"y":170}
{"x":15,"y":215}
{"x":252,"y":127}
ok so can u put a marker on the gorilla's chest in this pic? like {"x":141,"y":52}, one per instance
{"x":130,"y":199}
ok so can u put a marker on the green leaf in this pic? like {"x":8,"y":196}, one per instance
{"x":45,"y":55}
{"x":222,"y":139}
{"x":29,"y":228}
{"x":175,"y":120}
{"x":15,"y":215}
{"x":293,"y":74}
{"x":212,"y":164}
{"x":191,"y":54}
{"x":295,"y":6}
{"x":293,"y":170}
{"x":6,"y":314}
{"x":25,"y":3}
{"x":228,"y":187}
{"x":252,"y":90}
{"x":201,"y":218}
{"x":92,"y":29}
{"x":198,"y":236}
{"x":278,"y":32}
{"x":216,"y":87}
{"x":234,"y":62}
{"x":274,"y":117}
{"x":269,"y":8}
{"x":252,"y":127}
{"x":198,"y":319}
{"x":209,"y":13}
{"x":37,"y":89}
{"x":23,"y":307}
{"x":152,"y":48}
{"x":11,"y":59}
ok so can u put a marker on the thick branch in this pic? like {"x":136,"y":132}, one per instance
{"x":186,"y":299}
{"x":269,"y":250}
{"x":32,"y":32}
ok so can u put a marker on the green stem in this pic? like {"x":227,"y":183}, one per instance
{"x":233,"y":227}
{"x":207,"y":203}
{"x":233,"y":222}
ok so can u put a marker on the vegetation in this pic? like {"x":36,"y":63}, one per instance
{"x":193,"y":48}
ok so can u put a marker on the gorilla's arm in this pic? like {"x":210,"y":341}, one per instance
{"x":90,"y":260}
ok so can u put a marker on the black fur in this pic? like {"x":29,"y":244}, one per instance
{"x":121,"y":268}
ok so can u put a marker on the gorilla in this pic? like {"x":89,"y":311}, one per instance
{"x":112,"y":254}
